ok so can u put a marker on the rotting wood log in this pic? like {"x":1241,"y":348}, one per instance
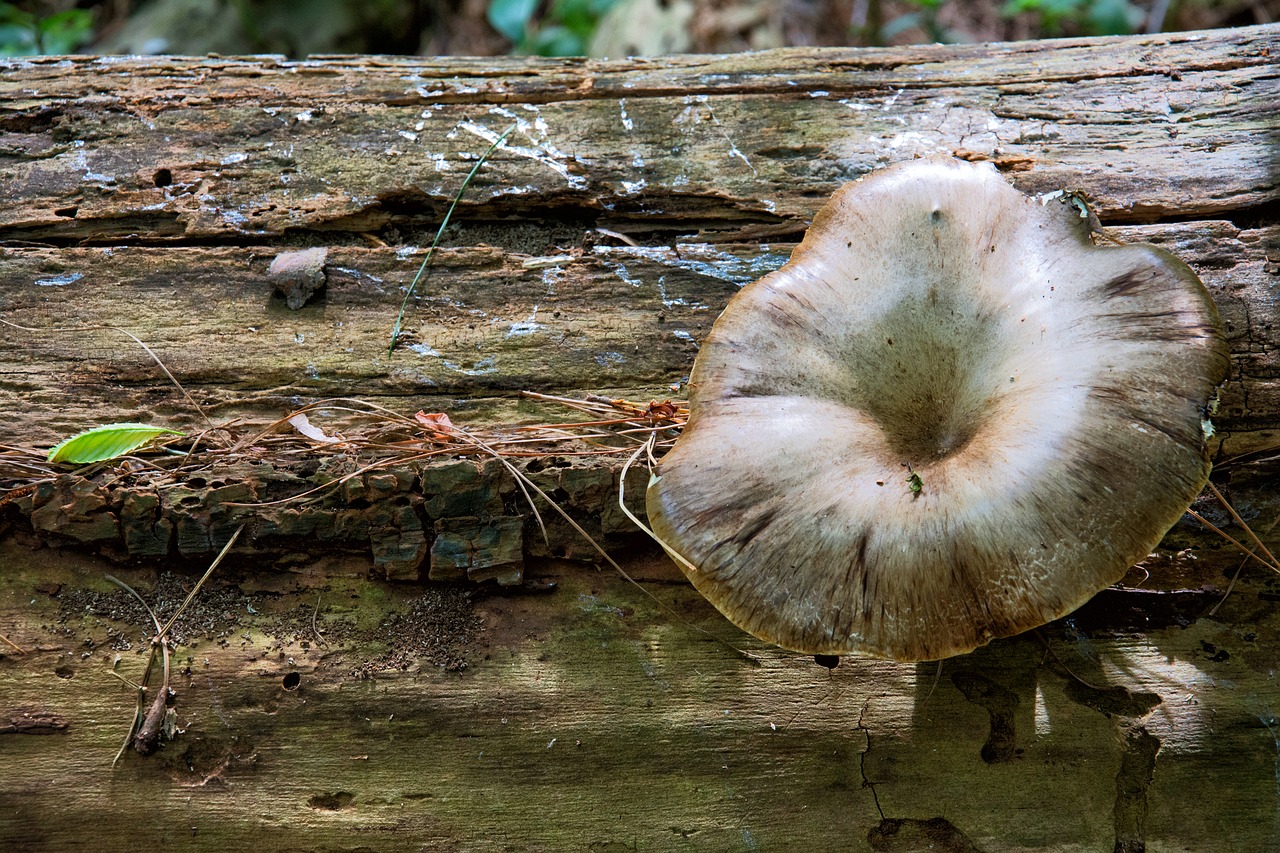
{"x":321,"y":706}
{"x":154,"y":193}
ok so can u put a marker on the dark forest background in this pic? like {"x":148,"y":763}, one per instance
{"x":299,"y":28}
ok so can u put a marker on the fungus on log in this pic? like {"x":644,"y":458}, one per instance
{"x":949,"y":418}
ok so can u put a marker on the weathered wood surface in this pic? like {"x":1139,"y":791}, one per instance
{"x":594,"y":719}
{"x":153,"y":194}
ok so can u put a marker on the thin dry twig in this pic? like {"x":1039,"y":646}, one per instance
{"x":1247,"y":529}
{"x":147,"y":726}
{"x":523,"y":478}
{"x":1049,"y":652}
{"x":376,"y":437}
{"x":394,"y":439}
{"x":19,"y":649}
{"x":1240,"y":568}
{"x":136,"y":340}
{"x":1249,"y":552}
{"x":314,"y":628}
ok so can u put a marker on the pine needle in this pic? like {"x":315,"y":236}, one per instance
{"x":200,"y":411}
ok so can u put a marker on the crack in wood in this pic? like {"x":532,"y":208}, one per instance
{"x":1137,"y":771}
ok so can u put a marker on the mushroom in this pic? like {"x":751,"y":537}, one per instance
{"x":948,"y":418}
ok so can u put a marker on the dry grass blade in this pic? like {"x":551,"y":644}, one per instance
{"x":1235,"y":576}
{"x":136,"y":340}
{"x":155,"y":620}
{"x":444,"y":223}
{"x":1248,"y":552}
{"x":374,"y":436}
{"x":186,"y":602}
{"x":374,"y":466}
{"x":622,"y":502}
{"x":393,"y":439}
{"x":1247,"y":529}
{"x":528,"y":484}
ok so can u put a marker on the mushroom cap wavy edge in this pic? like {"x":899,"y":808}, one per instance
{"x":948,"y":418}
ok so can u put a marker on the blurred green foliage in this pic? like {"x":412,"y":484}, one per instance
{"x":24,"y":33}
{"x":565,"y":29}
{"x":1089,"y":17}
{"x":299,"y":28}
{"x":1055,"y":17}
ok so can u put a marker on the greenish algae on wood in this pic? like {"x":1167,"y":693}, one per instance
{"x":598,"y":718}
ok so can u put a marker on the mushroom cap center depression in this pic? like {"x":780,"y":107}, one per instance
{"x":930,"y":375}
{"x":1048,"y":392}
{"x":945,"y":347}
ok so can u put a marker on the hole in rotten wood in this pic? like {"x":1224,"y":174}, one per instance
{"x":291,"y":681}
{"x":331,"y":802}
{"x":39,"y":121}
{"x":162,"y":177}
{"x":68,"y":212}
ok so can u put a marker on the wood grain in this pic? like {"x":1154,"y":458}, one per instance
{"x":596,"y":717}
{"x":153,"y":193}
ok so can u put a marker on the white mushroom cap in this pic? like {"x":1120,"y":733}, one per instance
{"x":1047,"y":395}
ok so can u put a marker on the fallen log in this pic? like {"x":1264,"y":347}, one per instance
{"x":356,"y":673}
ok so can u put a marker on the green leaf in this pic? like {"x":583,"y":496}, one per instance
{"x":11,"y":14}
{"x":106,"y":442}
{"x":511,"y":17}
{"x":576,"y":16}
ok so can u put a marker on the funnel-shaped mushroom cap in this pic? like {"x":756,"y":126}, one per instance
{"x":949,"y":418}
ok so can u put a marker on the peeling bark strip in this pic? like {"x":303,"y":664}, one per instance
{"x":28,"y":721}
{"x":444,"y":521}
